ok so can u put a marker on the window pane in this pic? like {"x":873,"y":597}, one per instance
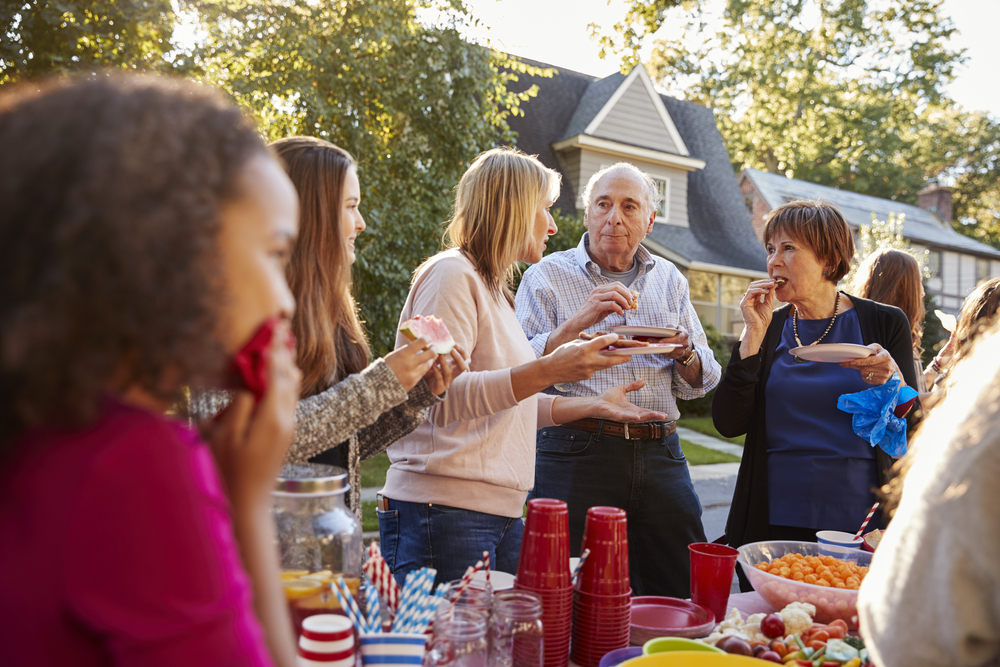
{"x":934,"y":262}
{"x":707,"y":314}
{"x":661,"y":206}
{"x":733,"y":288}
{"x":704,"y":287}
{"x":732,"y":321}
{"x":982,"y":269}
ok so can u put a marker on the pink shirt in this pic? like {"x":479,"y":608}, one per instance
{"x":476,"y":450}
{"x":116,"y":548}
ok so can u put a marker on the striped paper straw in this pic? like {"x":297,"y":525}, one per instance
{"x":579,"y":565}
{"x":466,"y":580}
{"x":406,"y":601}
{"x":374,"y":615}
{"x":352,"y":603}
{"x":418,"y":585}
{"x":486,"y":562}
{"x":867,"y":519}
{"x":356,"y":620}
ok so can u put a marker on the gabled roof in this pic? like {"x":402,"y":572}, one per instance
{"x":720,"y":231}
{"x":919,"y":225}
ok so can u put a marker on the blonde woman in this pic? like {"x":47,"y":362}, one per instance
{"x":458,"y":483}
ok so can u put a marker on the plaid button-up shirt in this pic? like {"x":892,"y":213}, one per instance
{"x":555,"y":288}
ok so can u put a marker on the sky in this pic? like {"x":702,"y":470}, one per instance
{"x":556,"y":32}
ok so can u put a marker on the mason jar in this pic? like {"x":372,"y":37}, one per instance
{"x":318,"y":536}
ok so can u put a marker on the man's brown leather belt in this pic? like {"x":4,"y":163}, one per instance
{"x":633,"y":431}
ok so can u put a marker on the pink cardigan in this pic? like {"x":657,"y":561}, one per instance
{"x":476,"y":451}
{"x":116,"y":548}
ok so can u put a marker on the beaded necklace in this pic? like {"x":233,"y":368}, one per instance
{"x":795,"y":327}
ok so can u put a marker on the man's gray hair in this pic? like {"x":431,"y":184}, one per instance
{"x":652,"y":191}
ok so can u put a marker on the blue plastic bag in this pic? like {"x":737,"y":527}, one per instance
{"x":873,"y":414}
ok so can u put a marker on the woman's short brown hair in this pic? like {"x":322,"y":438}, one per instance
{"x":820,"y":226}
{"x":110,"y":195}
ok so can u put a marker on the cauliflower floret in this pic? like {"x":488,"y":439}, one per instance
{"x":752,"y":630}
{"x":717,"y":635}
{"x":798,"y":617}
{"x":734,"y":620}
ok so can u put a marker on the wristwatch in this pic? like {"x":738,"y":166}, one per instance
{"x":686,"y":361}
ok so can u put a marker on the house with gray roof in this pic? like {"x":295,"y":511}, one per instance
{"x":578,"y":124}
{"x":957,"y":262}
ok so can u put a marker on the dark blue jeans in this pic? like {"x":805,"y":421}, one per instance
{"x":449,"y":539}
{"x":649,"y":479}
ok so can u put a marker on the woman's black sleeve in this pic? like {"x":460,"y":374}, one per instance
{"x":899,"y":343}
{"x":733,"y":403}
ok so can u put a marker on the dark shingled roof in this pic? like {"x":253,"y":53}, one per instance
{"x":591,"y":103}
{"x":919,"y":225}
{"x":720,"y":231}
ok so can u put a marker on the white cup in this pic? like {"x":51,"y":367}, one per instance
{"x":839,"y":538}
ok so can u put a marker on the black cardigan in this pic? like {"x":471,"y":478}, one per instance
{"x":738,"y":407}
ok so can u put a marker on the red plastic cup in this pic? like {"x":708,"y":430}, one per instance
{"x":606,"y":535}
{"x":544,"y":561}
{"x":712,"y":567}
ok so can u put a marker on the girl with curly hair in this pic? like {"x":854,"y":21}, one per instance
{"x":350,"y":409}
{"x":144,"y":234}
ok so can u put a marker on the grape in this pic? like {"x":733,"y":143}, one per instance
{"x":773,"y":626}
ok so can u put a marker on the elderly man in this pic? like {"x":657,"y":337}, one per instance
{"x":640,"y":469}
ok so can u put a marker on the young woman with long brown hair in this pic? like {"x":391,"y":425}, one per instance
{"x":892,"y":277}
{"x":350,"y":409}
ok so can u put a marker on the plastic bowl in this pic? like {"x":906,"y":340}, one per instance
{"x":674,"y":644}
{"x":830,"y":603}
{"x":692,"y":659}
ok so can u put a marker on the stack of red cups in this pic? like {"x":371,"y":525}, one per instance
{"x":544,"y":570}
{"x":601,"y":607}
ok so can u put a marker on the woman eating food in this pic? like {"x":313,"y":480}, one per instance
{"x":351,"y":409}
{"x":144,"y":234}
{"x":804,"y":469}
{"x":458,"y":483}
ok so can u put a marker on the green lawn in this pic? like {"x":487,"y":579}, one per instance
{"x":373,"y":470}
{"x":698,"y":455}
{"x":705,"y":425}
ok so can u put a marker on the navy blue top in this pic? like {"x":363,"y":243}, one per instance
{"x":820,"y":473}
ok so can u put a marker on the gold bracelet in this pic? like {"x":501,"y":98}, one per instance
{"x":686,"y":361}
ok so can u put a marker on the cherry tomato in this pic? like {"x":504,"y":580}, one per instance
{"x":770,"y":655}
{"x":758,"y":642}
{"x":758,"y":649}
{"x":779,"y":647}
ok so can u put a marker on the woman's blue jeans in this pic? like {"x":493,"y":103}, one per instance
{"x":649,"y":479}
{"x":449,"y":539}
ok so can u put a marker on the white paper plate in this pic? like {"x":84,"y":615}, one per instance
{"x":652,"y":332}
{"x":832,"y":352}
{"x":652,"y":349}
{"x":499,"y":581}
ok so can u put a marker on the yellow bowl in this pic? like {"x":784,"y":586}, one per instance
{"x":691,"y":659}
{"x":675,"y":644}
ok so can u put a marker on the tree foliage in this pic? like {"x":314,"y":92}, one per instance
{"x":413,"y":103}
{"x":845,"y":93}
{"x":45,"y":37}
